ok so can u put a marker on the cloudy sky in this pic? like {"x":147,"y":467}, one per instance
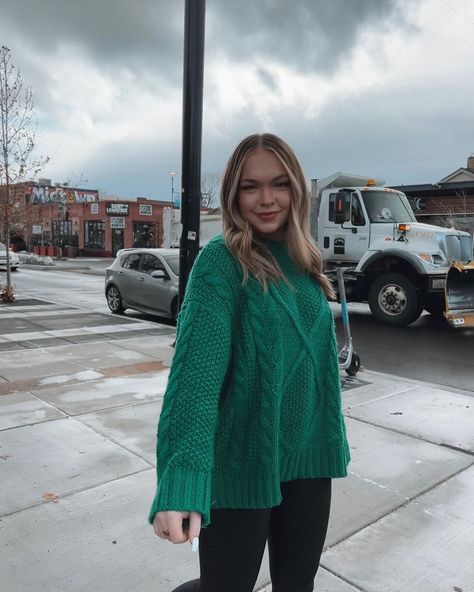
{"x":377,"y":87}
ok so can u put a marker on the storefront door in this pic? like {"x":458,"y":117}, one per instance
{"x":117,"y":240}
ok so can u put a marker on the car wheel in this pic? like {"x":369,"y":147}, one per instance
{"x":114,"y":300}
{"x":394,"y":300}
{"x":13,"y":268}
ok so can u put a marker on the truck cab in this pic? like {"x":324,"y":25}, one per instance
{"x":398,"y":265}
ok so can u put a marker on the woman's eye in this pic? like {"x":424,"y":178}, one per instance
{"x":247,"y":187}
{"x":283,"y":184}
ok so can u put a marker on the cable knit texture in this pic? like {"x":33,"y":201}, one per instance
{"x":253,"y":396}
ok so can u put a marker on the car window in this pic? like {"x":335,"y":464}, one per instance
{"x":132,"y":261}
{"x":151,"y":263}
{"x":173,"y":262}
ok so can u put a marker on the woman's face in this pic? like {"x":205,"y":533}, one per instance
{"x":264,"y":194}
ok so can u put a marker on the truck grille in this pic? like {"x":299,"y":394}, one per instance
{"x":466,"y":248}
{"x":458,"y":248}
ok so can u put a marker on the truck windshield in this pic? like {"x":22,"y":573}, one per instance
{"x":387,"y":206}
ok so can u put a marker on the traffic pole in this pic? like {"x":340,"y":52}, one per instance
{"x":193,"y":75}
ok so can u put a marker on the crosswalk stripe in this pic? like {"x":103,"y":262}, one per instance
{"x":99,"y":329}
{"x":15,"y":310}
{"x":45,"y":313}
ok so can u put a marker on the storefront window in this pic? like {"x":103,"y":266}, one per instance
{"x":63,"y":235}
{"x":143,"y":234}
{"x":94,"y":234}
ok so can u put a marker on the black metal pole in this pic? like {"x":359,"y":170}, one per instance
{"x":193,"y":74}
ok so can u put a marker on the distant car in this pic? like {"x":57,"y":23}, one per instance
{"x":14,"y":259}
{"x":145,"y":280}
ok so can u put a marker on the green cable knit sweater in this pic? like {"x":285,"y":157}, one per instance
{"x":253,"y":396}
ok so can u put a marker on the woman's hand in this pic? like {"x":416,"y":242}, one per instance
{"x":170,"y":526}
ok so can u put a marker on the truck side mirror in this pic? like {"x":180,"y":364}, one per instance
{"x":340,"y":213}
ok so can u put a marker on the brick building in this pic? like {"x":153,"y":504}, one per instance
{"x":449,"y":202}
{"x":45,"y":217}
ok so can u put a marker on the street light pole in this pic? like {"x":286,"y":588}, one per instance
{"x":172,"y":174}
{"x":193,"y":75}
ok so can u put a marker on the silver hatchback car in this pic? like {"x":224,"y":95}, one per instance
{"x":145,"y":280}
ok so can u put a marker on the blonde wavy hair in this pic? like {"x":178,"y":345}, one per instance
{"x":248,"y":249}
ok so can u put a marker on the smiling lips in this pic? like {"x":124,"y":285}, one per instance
{"x":268,"y":215}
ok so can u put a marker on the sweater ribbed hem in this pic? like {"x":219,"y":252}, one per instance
{"x":237,"y":490}
{"x":262,"y":490}
{"x":183,"y":490}
{"x":316,"y":462}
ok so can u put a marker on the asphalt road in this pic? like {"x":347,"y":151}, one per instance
{"x":429,"y":350}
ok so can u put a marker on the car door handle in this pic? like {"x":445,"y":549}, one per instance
{"x":141,"y":279}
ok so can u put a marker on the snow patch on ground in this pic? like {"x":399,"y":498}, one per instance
{"x":84,"y":375}
{"x":33,"y":259}
{"x":128,"y":355}
{"x":140,"y":387}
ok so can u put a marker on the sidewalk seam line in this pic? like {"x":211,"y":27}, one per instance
{"x":381,"y":398}
{"x":400,"y":506}
{"x":395,"y":431}
{"x":75,"y":492}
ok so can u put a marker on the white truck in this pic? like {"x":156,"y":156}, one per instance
{"x":210,"y":225}
{"x":396,"y":264}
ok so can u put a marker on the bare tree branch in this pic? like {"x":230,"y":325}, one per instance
{"x":18,"y":126}
{"x":210,"y":190}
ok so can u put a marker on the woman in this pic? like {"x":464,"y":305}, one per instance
{"x":251,"y":430}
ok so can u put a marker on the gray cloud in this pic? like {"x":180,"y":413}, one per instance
{"x":145,"y":34}
{"x":308,"y":34}
{"x":148,"y":34}
{"x":383,"y":135}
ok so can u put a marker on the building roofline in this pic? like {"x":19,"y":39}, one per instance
{"x":463,"y":170}
{"x":436,"y":188}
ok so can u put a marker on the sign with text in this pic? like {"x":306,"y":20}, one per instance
{"x":36,"y":229}
{"x":117,"y":222}
{"x":94,"y":208}
{"x":145,"y":210}
{"x":116,"y":209}
{"x":46,"y":194}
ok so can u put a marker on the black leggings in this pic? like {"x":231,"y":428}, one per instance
{"x":231,"y":547}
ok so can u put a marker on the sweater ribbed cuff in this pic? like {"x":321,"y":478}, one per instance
{"x":183,"y":490}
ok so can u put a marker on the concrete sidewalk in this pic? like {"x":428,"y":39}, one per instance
{"x":77,"y":439}
{"x":86,"y":265}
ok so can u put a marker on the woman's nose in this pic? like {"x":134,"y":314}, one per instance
{"x":266,"y":195}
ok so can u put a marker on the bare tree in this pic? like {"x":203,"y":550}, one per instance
{"x":457,"y":211}
{"x":210,"y":190}
{"x":18,"y":140}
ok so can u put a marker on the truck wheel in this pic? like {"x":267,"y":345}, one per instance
{"x":394,"y":300}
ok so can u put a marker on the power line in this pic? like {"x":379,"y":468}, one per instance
{"x":457,"y":12}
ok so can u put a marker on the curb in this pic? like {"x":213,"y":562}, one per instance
{"x":55,"y":267}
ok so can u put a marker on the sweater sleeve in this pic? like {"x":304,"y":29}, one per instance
{"x":186,"y":429}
